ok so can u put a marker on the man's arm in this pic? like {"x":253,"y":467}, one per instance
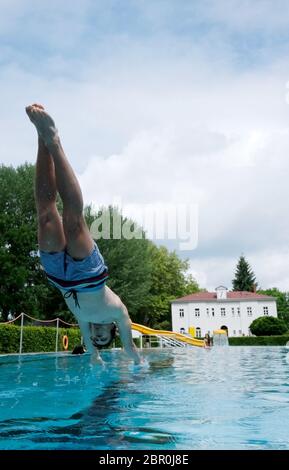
{"x":86,"y":334}
{"x":124,"y":328}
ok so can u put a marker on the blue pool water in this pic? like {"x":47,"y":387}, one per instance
{"x":224,"y":398}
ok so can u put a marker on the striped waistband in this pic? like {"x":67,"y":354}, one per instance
{"x":79,"y":284}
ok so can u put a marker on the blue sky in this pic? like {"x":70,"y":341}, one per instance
{"x":186,"y":100}
{"x":246,"y":32}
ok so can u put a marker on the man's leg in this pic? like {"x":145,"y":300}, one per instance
{"x":78,"y":239}
{"x":50,"y":230}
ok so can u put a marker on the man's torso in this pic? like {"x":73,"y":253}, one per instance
{"x":101,"y":306}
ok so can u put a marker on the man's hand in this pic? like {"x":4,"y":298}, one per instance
{"x":95,"y":359}
{"x":135,"y":356}
{"x":124,"y":328}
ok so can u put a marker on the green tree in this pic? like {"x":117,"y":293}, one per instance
{"x":169,"y":281}
{"x":282,"y":300}
{"x":146,"y":277}
{"x":23,"y":286}
{"x":245,"y":279}
{"x":268,"y":326}
{"x":128,"y":260}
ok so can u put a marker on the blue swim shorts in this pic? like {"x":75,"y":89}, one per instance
{"x":62,"y":266}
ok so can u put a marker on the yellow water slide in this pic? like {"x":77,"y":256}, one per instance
{"x":145,"y":330}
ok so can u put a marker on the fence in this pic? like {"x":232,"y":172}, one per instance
{"x":23,"y":315}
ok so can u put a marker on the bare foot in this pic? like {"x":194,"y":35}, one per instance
{"x":44,"y":124}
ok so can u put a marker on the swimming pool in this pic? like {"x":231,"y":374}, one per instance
{"x":224,"y":398}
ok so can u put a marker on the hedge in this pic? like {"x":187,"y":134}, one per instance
{"x":259,"y":340}
{"x":40,"y":339}
{"x":36,"y":338}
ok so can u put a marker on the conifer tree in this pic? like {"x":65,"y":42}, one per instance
{"x":245,"y":279}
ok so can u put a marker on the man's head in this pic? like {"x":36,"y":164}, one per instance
{"x":102,"y":334}
{"x":79,"y":349}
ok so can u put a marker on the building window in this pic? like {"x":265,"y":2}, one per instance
{"x":182,"y":313}
{"x":238,"y":311}
{"x":249,"y":311}
{"x":234,"y":332}
{"x":265,"y":310}
{"x":223,"y":312}
{"x":208,"y":312}
{"x":197,"y":312}
{"x":240,"y":332}
{"x":233,"y":312}
{"x":198,"y":332}
{"x":213,"y":312}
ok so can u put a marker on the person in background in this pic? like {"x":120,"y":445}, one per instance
{"x":79,"y":349}
{"x":207,"y":340}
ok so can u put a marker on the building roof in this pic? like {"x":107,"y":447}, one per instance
{"x":231,"y":296}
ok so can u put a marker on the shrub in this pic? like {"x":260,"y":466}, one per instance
{"x":35,"y":338}
{"x":40,"y":339}
{"x":259,"y":340}
{"x":268,"y":326}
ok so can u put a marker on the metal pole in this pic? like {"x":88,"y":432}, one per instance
{"x":56,"y":341}
{"x":21,"y":333}
{"x":140,"y":343}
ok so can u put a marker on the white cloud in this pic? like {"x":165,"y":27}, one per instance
{"x":164,"y":119}
{"x":234,"y":168}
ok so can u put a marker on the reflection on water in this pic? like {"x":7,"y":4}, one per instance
{"x":223,"y":398}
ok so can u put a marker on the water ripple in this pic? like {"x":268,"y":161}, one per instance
{"x":236,"y":398}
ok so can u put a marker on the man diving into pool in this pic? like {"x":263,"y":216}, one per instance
{"x":68,"y":253}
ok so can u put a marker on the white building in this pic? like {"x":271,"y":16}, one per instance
{"x":204,"y":312}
